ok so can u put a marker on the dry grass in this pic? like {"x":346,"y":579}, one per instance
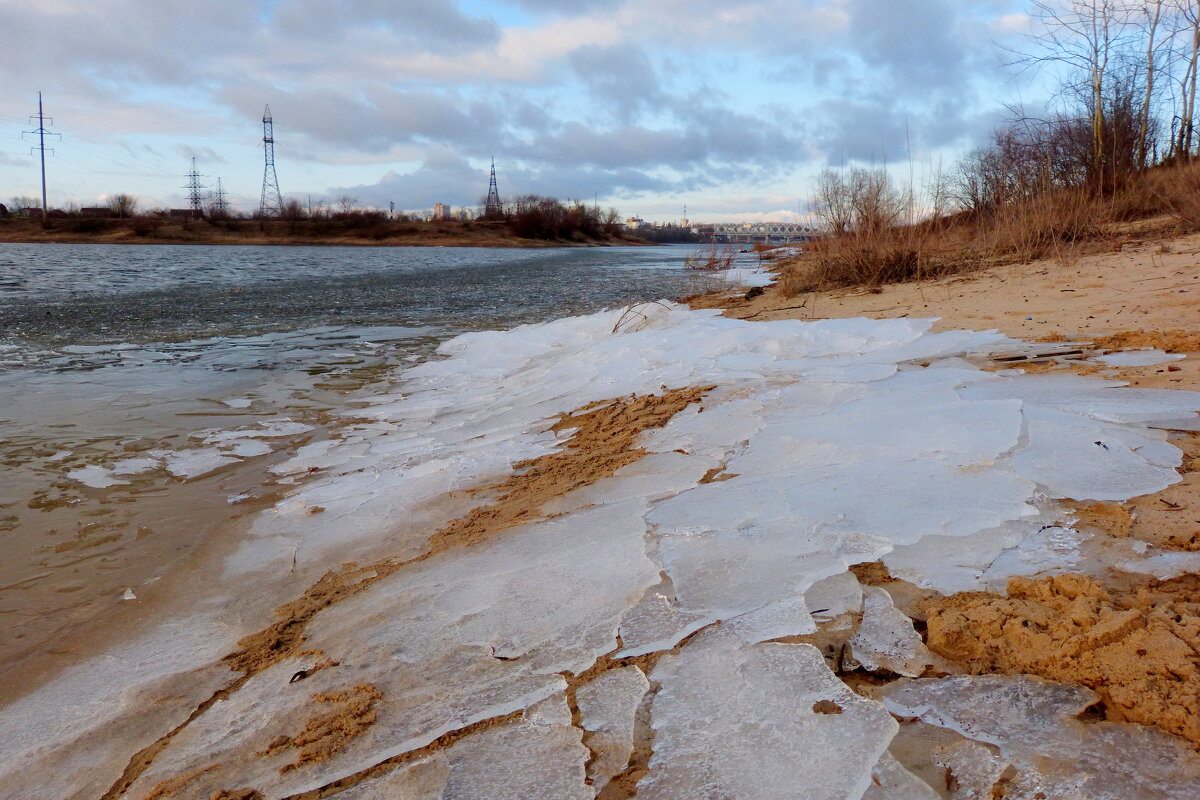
{"x":711,"y":258}
{"x":1062,"y":225}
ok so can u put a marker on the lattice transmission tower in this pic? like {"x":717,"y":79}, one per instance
{"x":220,"y":205}
{"x":492,"y":207}
{"x":271,"y":204}
{"x":195,"y":190}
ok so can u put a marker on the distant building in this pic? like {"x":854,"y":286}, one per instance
{"x":633,"y":223}
{"x":97,"y":212}
{"x":441,"y":212}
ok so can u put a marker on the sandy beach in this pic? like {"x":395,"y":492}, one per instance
{"x":668,"y":552}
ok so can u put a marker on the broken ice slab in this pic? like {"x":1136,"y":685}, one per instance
{"x":1139,"y":358}
{"x":890,"y":780}
{"x":833,"y":596}
{"x":135,"y":466}
{"x":767,"y":721}
{"x":973,"y":770}
{"x":786,"y":617}
{"x":266,"y":429}
{"x":985,"y":561}
{"x":1074,"y":456}
{"x":656,"y":623}
{"x":466,"y":635}
{"x":190,"y":464}
{"x":1034,"y":725}
{"x":246,"y":448}
{"x":1101,"y":400}
{"x":990,"y":708}
{"x":607,"y":706}
{"x":886,"y":640}
{"x":515,"y":761}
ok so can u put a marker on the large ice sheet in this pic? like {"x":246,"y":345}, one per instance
{"x":763,"y":721}
{"x":1076,"y":457}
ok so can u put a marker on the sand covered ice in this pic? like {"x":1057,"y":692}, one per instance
{"x":664,"y":510}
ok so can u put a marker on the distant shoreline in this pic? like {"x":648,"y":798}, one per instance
{"x":284,"y":233}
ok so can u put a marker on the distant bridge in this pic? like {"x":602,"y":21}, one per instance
{"x":768,"y":232}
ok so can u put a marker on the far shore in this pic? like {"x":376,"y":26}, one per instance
{"x":297,"y":233}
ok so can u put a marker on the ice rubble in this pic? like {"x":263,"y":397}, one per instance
{"x":844,"y":441}
{"x":1033,"y":725}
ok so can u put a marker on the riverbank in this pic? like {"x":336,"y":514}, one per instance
{"x":662,"y":552}
{"x":333,"y":232}
{"x":1127,"y":634}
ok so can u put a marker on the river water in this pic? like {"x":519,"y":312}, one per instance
{"x":146,"y":391}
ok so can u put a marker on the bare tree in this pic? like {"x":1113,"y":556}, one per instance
{"x":859,"y":201}
{"x":876,"y":202}
{"x":939,"y":190}
{"x":123,"y":205}
{"x":1189,"y":13}
{"x":1153,"y":13}
{"x":1085,"y":37}
{"x":831,"y":202}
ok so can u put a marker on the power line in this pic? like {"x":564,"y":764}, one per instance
{"x":271,"y":203}
{"x":41,"y":146}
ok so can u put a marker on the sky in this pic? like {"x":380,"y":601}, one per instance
{"x":729,"y":109}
